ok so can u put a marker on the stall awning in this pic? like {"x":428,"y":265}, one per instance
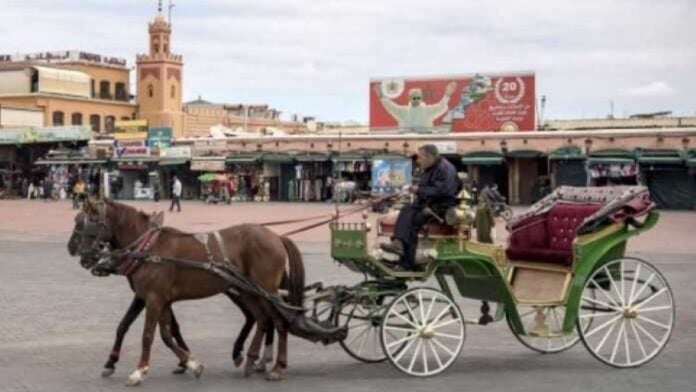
{"x":351,"y":156}
{"x":173,"y":162}
{"x":243,"y":158}
{"x":659,"y":157}
{"x":277,"y":158}
{"x":483,"y":158}
{"x":525,"y":154}
{"x":691,"y":162}
{"x":311,"y":157}
{"x":135,"y":159}
{"x":567,"y":153}
{"x":70,"y":162}
{"x":609,"y":161}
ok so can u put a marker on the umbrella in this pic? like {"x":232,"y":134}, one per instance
{"x":207,"y":177}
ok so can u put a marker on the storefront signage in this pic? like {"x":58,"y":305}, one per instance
{"x":390,"y":174}
{"x":130,"y":135}
{"x":67,"y":56}
{"x":159,"y":137}
{"x":131,"y":148}
{"x":211,"y":146}
{"x":176,"y":152}
{"x":208,"y":165}
{"x":130,"y":130}
{"x":45,"y":135}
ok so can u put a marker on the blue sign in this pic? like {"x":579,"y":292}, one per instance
{"x":159,"y":137}
{"x":390,"y":174}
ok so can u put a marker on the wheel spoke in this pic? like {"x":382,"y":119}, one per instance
{"x":359,"y":325}
{"x":648,"y":334}
{"x":606,"y":336}
{"x":358,"y":336}
{"x":425,"y":359}
{"x":421,"y":308}
{"x":638,"y":339}
{"x":604,"y":293}
{"x":652,"y":297}
{"x":447,"y":335}
{"x":412,"y":339}
{"x":656,"y":308}
{"x":442,"y":346}
{"x":604,"y":325}
{"x":625,"y":339}
{"x":589,"y":315}
{"x":409,"y":330}
{"x":613,"y":285}
{"x":636,"y":276}
{"x":445,"y":323}
{"x":399,"y":315}
{"x":653,"y":322}
{"x":362,"y":342}
{"x":410,"y":311}
{"x":442,"y":313}
{"x":600,"y":303}
{"x":622,"y":329}
{"x":402,"y":340}
{"x":645,"y":284}
{"x":416,"y":352}
{"x":437,"y":356}
{"x":430,"y":308}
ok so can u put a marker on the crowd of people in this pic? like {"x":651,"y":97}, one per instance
{"x":59,"y":183}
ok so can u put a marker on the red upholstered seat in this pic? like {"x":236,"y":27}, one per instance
{"x":548,"y":238}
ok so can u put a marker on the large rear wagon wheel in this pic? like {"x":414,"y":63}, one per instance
{"x":423,"y":332}
{"x":555,"y":341}
{"x":632,"y":316}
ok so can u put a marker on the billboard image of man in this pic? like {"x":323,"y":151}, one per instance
{"x":416,"y":115}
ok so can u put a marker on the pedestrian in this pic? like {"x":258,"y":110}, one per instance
{"x":48,"y":189}
{"x":79,"y":193}
{"x":176,"y":194}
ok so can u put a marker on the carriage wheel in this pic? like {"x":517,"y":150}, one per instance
{"x":632,"y":315}
{"x":556,"y":341}
{"x":422,"y":332}
{"x":363,"y":320}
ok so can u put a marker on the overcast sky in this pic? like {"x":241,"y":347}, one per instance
{"x":316,"y":57}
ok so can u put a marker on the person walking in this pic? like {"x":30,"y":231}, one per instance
{"x":176,"y":194}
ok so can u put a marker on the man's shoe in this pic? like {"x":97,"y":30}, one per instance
{"x":394,"y":247}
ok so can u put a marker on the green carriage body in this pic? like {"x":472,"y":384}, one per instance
{"x":482,"y":271}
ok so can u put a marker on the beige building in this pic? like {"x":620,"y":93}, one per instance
{"x":69,"y":87}
{"x":159,"y":80}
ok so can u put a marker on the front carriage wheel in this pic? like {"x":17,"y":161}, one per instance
{"x":632,"y":316}
{"x":363,"y":319}
{"x":554,"y":340}
{"x":422,"y":332}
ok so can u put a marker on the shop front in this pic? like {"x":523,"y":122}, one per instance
{"x":487,"y":168}
{"x":191,"y":186}
{"x":567,"y":167}
{"x":279,"y":176}
{"x":172,"y":160}
{"x":353,"y":166}
{"x":313,"y":173}
{"x":528,"y":176}
{"x":612,"y":167}
{"x":248,"y":180}
{"x":134,"y":177}
{"x":667,"y":176}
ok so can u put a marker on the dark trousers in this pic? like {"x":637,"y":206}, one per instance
{"x":175,"y":201}
{"x":409,"y":222}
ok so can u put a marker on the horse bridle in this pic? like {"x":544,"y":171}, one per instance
{"x":98,"y":230}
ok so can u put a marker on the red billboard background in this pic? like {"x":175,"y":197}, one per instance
{"x":501,"y":102}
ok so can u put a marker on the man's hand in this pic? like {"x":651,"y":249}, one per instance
{"x":449,"y":90}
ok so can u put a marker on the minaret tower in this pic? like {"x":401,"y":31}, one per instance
{"x":160,"y":80}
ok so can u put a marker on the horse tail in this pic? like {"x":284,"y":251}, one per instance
{"x":296,"y":275}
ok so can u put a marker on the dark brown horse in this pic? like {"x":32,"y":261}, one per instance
{"x":138,"y":305}
{"x":256,"y":252}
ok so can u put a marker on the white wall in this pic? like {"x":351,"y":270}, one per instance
{"x":15,"y":82}
{"x":12,"y":118}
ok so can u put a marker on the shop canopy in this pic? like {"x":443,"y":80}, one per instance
{"x":483,"y":158}
{"x":135,"y":159}
{"x":611,"y":157}
{"x":691,"y":158}
{"x":525,"y":154}
{"x":276,"y":158}
{"x":567,"y":153}
{"x":311,"y":157}
{"x":173,"y":162}
{"x":70,"y":161}
{"x":243,"y":158}
{"x":210,"y":177}
{"x":659,"y":157}
{"x":351,"y":156}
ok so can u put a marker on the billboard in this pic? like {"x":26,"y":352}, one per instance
{"x":480,"y":102}
{"x":390,"y":174}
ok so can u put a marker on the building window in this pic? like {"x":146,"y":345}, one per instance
{"x":105,"y":90}
{"x":172,"y":92}
{"x":95,"y":122}
{"x":125,"y":118}
{"x":166,"y":48}
{"x":76,"y":119}
{"x":109,"y":123}
{"x":93,"y":88}
{"x":121,"y":93}
{"x":58,"y":118}
{"x":150,"y":90}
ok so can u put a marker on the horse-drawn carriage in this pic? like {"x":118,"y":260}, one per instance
{"x":563,"y":278}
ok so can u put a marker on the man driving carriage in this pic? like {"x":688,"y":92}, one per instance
{"x":436,"y":191}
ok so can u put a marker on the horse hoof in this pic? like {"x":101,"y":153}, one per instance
{"x":249,"y":369}
{"x":136,"y":378}
{"x":260,"y":367}
{"x":196,"y":367}
{"x":107,"y":372}
{"x":275,"y":375}
{"x":238,"y":361}
{"x":181,"y":369}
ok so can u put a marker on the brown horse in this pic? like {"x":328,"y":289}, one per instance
{"x":256,"y":252}
{"x":138,"y":305}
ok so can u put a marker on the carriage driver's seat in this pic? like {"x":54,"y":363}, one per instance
{"x":385,"y":227}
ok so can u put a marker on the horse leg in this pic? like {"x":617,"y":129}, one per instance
{"x":136,"y":306}
{"x":238,"y":348}
{"x":268,"y":348}
{"x":152,"y":315}
{"x":255,"y":347}
{"x":178,"y":342}
{"x":281,"y":364}
{"x":165,"y":324}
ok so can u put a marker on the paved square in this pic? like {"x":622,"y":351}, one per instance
{"x":57,"y":322}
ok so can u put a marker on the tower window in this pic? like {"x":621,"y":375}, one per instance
{"x":150,"y":90}
{"x":172,"y":92}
